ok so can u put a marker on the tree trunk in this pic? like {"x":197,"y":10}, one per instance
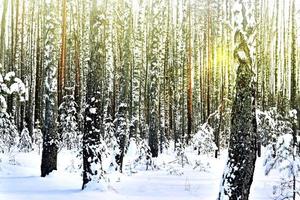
{"x":2,"y":34}
{"x":49,"y":154}
{"x":62,"y":64}
{"x":50,"y":139}
{"x":189,"y":75}
{"x":92,"y":162}
{"x":91,"y":145}
{"x":238,"y":175}
{"x":39,"y":73}
{"x":24,"y":71}
{"x":208,"y":58}
{"x":121,"y":134}
{"x":242,"y":156}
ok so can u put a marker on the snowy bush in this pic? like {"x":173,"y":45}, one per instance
{"x":287,"y":162}
{"x":9,"y":136}
{"x":131,"y":155}
{"x":37,"y":137}
{"x":25,"y":144}
{"x":284,"y":158}
{"x":271,"y":124}
{"x":201,"y":166}
{"x":181,"y":157}
{"x":220,"y":121}
{"x":138,"y":155}
{"x":283,"y":155}
{"x":75,"y":165}
{"x":175,"y":171}
{"x":144,"y":152}
{"x":203,"y":140}
{"x":68,"y":125}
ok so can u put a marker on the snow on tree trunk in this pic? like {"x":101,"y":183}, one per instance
{"x":50,"y":138}
{"x":156,"y":63}
{"x":238,"y":174}
{"x":92,"y":161}
{"x":92,"y":138}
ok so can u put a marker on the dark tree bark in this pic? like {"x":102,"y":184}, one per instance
{"x":238,"y":175}
{"x":23,"y":70}
{"x":2,"y":34}
{"x":209,"y":57}
{"x":50,"y":148}
{"x":91,"y":144}
{"x":62,"y":63}
{"x":14,"y":39}
{"x":50,"y":138}
{"x":77,"y":92}
{"x":294,"y":101}
{"x":189,"y":75}
{"x":154,"y":67}
{"x":242,"y":147}
{"x":92,"y":163}
{"x":39,"y":73}
{"x":121,"y":134}
{"x":29,"y":110}
{"x":293,"y":86}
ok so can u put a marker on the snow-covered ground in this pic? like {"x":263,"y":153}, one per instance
{"x":22,"y":181}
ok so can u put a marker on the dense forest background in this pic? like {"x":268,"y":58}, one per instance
{"x":103,"y":72}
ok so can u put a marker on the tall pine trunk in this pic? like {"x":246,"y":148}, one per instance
{"x":2,"y":34}
{"x":62,"y":64}
{"x":92,"y":161}
{"x":50,"y":139}
{"x":189,"y":75}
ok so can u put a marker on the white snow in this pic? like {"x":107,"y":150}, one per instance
{"x":22,"y":181}
{"x":18,"y":86}
{"x":93,"y":110}
{"x":9,"y":75}
{"x":242,"y":56}
{"x":3,"y":104}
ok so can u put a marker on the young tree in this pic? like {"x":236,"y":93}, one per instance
{"x":37,"y":137}
{"x":9,"y":136}
{"x":25,"y":144}
{"x":68,"y":126}
{"x":282,"y":156}
{"x":238,"y":175}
